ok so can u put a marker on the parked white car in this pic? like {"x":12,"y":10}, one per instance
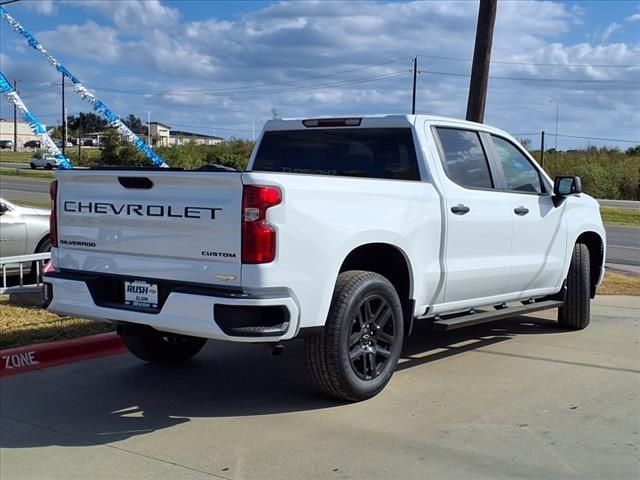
{"x":23,"y":230}
{"x":44,"y":160}
{"x":343,"y":231}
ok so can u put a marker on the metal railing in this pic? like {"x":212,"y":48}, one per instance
{"x":15,"y":269}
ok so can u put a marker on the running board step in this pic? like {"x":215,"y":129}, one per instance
{"x":444,"y":324}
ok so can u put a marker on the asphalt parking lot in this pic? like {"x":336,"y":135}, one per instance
{"x":512,"y":399}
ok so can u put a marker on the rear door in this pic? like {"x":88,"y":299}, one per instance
{"x":539,"y":237}
{"x":173,"y":225}
{"x":479,"y":224}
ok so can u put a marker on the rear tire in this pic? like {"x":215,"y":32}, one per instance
{"x":576,"y":311}
{"x":49,"y":166}
{"x":356,"y":354}
{"x":155,"y":346}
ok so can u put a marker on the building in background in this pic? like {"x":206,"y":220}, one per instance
{"x":159,"y":134}
{"x":24,"y":132}
{"x":177,"y":137}
{"x":163,"y":136}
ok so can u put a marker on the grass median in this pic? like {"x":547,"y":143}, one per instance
{"x":31,"y":174}
{"x":26,"y":325}
{"x":620,"y":216}
{"x":15,"y":157}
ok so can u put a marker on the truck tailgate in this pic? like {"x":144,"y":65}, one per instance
{"x":173,"y":225}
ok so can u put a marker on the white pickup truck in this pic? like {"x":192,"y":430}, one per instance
{"x":342,"y":231}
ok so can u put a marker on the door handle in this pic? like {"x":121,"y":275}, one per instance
{"x":460,"y":209}
{"x":521,"y":210}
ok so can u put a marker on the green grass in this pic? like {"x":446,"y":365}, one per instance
{"x":29,"y":324}
{"x":15,"y":157}
{"x":31,"y":203}
{"x":620,"y":216}
{"x":16,"y":172}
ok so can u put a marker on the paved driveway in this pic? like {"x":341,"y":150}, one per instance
{"x":511,"y":399}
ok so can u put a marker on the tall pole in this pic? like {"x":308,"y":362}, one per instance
{"x":15,"y":120}
{"x":64,"y":121}
{"x":542,"y":149}
{"x":555,"y":149}
{"x":481,"y":61}
{"x":79,"y":136}
{"x":148,"y":127}
{"x":415,"y":78}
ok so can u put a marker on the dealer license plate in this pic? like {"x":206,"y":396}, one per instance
{"x":141,"y":294}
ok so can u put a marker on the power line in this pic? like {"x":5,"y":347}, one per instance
{"x":258,"y":92}
{"x":245,"y":87}
{"x":457,"y":59}
{"x":575,"y":136}
{"x":531,"y":79}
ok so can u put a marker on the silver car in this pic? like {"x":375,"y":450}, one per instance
{"x":44,"y":160}
{"x":23,"y":230}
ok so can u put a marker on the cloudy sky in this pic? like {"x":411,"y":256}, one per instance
{"x":224,"y":66}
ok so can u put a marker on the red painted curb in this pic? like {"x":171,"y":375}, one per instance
{"x":44,"y":355}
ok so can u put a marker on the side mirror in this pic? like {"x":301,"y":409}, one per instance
{"x":3,"y":208}
{"x":563,"y":186}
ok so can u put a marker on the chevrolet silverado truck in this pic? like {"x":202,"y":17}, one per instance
{"x":342,"y":231}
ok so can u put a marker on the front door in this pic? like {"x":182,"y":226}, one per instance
{"x":479,"y":223}
{"x":539,"y":239}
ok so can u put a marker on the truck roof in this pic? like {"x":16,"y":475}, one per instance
{"x":377,"y":120}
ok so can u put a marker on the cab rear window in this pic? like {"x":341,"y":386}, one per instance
{"x":364,"y":152}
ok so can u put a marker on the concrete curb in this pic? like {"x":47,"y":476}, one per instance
{"x":24,"y":359}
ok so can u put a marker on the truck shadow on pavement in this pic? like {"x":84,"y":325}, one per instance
{"x":111,"y":399}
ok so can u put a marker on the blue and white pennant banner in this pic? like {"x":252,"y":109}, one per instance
{"x":36,"y":126}
{"x":80,"y":89}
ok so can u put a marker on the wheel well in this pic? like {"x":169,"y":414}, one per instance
{"x":594,"y":244}
{"x":41,"y":242}
{"x":389,"y":262}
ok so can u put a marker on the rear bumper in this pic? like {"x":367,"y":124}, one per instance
{"x":184,"y":313}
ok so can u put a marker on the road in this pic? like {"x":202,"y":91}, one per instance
{"x":513,"y":399}
{"x":17,"y":188}
{"x":620,"y":204}
{"x":623,"y":243}
{"x":19,"y":166}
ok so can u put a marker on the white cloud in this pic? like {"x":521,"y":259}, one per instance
{"x":43,"y":7}
{"x":610,"y":30}
{"x":89,"y":41}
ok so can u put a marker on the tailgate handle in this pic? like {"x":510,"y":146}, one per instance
{"x":142,"y":183}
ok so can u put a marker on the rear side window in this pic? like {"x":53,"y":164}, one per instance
{"x":464,"y":159}
{"x":519,"y":172}
{"x":362,"y":152}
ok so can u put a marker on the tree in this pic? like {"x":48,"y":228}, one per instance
{"x":87,"y":122}
{"x":135,"y":124}
{"x":525,"y":142}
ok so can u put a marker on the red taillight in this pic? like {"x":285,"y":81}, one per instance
{"x":53,"y":218}
{"x":258,"y":237}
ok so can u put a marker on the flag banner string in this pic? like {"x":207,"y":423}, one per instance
{"x":80,"y":89}
{"x":36,"y":127}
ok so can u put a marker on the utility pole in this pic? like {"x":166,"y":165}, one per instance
{"x":148,"y":127}
{"x":64,"y":121}
{"x":415,"y":78}
{"x":555,"y":149}
{"x":15,"y":120}
{"x":79,"y":137}
{"x":542,"y":149}
{"x":481,"y":61}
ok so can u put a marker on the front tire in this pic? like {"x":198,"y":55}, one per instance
{"x":576,"y":311}
{"x":155,"y":346}
{"x":356,"y":354}
{"x":32,"y":165}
